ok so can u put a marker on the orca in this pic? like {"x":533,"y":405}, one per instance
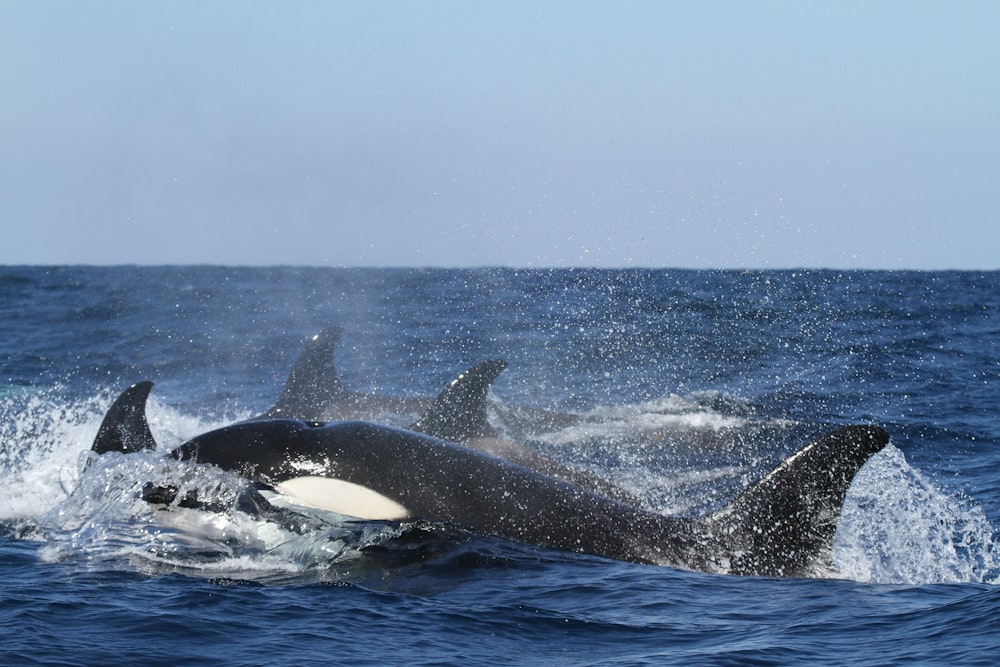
{"x":315,"y":392}
{"x":782,"y":526}
{"x":459,"y":414}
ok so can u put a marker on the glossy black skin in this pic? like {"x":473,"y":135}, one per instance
{"x":783,"y":526}
{"x":442,"y":481}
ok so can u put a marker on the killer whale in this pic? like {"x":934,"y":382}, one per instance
{"x":781,"y":526}
{"x":314,"y":391}
{"x":459,"y":415}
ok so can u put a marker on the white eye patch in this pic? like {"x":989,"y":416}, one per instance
{"x":347,"y":498}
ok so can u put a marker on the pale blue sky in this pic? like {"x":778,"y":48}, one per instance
{"x":675,"y":134}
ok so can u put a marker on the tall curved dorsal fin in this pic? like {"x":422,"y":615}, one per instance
{"x":459,"y":412}
{"x":125,"y":428}
{"x":313,"y":384}
{"x":787,"y":520}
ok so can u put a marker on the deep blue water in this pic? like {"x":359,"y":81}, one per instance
{"x":752,"y":362}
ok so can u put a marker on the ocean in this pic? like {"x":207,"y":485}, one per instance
{"x":694,"y":383}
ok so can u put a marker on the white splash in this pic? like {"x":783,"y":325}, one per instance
{"x":898,"y":527}
{"x":42,"y":439}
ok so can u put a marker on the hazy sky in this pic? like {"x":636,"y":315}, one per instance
{"x":677,"y":134}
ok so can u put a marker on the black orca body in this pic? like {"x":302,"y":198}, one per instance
{"x":315,"y":393}
{"x":782,"y":526}
{"x":459,"y":414}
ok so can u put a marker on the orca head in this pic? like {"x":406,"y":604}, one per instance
{"x":303,"y":462}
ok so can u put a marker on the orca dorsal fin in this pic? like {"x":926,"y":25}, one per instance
{"x":313,"y":385}
{"x":125,"y":428}
{"x":459,"y":412}
{"x":785,"y":523}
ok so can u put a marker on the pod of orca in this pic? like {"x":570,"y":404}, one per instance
{"x":317,"y":446}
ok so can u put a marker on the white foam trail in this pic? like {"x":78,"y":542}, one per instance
{"x":619,"y":421}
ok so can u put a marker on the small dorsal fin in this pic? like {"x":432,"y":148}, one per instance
{"x":787,"y":520}
{"x":125,"y":428}
{"x":313,"y":384}
{"x":459,"y":412}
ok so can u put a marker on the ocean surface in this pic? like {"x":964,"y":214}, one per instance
{"x":697,"y":383}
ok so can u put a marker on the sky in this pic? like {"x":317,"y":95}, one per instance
{"x":849,"y":134}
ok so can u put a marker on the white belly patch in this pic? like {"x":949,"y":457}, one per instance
{"x":347,"y":498}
